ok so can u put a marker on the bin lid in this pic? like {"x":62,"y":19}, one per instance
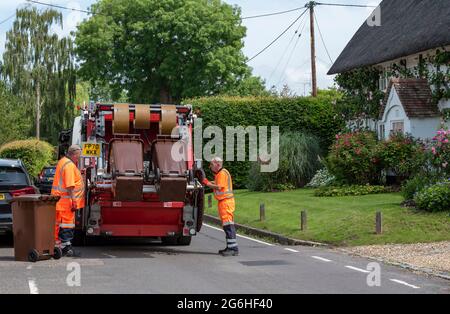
{"x":35,"y":198}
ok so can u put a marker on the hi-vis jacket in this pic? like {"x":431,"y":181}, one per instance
{"x":68,"y":176}
{"x":224,"y":181}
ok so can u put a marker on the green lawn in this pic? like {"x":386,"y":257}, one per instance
{"x":343,"y":221}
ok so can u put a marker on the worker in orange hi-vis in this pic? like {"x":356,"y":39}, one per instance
{"x":223,"y":193}
{"x":69,"y":186}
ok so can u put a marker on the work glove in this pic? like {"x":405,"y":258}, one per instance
{"x":205,"y":181}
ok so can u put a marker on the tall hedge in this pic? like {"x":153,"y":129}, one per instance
{"x":33,"y":153}
{"x":316,"y":116}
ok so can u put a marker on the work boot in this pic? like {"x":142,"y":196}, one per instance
{"x":221,"y":251}
{"x":229,"y":252}
{"x":68,"y":251}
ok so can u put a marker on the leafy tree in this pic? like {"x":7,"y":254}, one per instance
{"x":163,"y":50}
{"x":249,"y":86}
{"x":361,"y":94}
{"x":38,"y":68}
{"x":14,"y":122}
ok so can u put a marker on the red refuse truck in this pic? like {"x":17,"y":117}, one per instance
{"x":140,"y":174}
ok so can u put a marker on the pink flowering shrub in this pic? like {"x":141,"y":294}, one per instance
{"x":353,"y":160}
{"x":440,"y":150}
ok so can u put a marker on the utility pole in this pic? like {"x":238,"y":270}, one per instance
{"x":311,"y":6}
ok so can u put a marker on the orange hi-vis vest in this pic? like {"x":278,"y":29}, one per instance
{"x":224,"y":181}
{"x":68,"y":176}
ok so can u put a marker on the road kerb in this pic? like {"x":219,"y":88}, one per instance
{"x":275,"y":237}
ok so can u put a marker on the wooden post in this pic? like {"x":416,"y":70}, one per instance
{"x":262,"y":212}
{"x":313,"y":49}
{"x":379,"y":223}
{"x":303,"y":221}
{"x":209,"y":201}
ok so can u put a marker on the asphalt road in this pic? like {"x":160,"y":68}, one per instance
{"x":262,"y":268}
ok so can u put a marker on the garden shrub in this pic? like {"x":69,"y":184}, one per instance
{"x":441,"y":152}
{"x":299,"y":161}
{"x":354,"y":190}
{"x":414,"y":185}
{"x":34,"y":154}
{"x":322,"y":178}
{"x":435,"y":198}
{"x":353,"y":160}
{"x":401,"y":154}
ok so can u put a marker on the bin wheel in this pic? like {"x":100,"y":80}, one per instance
{"x":33,"y":256}
{"x":57,"y":253}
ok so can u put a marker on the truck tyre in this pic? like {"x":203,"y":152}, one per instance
{"x":169,"y":241}
{"x":80,"y":239}
{"x":184,"y":241}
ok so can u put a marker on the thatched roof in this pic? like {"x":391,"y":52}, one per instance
{"x":415,"y":96}
{"x":407,"y":27}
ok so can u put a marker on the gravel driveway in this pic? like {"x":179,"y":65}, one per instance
{"x":431,"y":256}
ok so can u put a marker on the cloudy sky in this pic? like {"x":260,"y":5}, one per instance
{"x":281,"y":64}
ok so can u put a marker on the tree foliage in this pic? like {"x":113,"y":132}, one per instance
{"x":362,"y":96}
{"x":14,"y":121}
{"x":163,"y":50}
{"x":39,"y":68}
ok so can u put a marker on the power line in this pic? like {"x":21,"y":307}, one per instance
{"x":323,"y":41}
{"x":271,"y":14}
{"x":59,"y":7}
{"x":7,"y":19}
{"x":346,"y":5}
{"x":285,"y":51}
{"x":278,"y":37}
{"x":12,"y":15}
{"x":290,"y":56}
{"x":298,"y":9}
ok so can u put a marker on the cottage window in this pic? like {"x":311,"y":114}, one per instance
{"x":398,"y":127}
{"x":384,"y":80}
{"x":382,"y":131}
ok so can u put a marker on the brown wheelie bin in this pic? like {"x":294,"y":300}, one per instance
{"x":33,"y":226}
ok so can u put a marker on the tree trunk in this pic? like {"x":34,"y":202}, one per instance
{"x":38,"y":110}
{"x":164,"y":95}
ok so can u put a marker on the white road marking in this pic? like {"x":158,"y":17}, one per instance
{"x":321,"y":259}
{"x":108,"y":255}
{"x":291,"y":250}
{"x":244,"y":237}
{"x":32,"y":285}
{"x":358,"y":269}
{"x":29,"y":267}
{"x":404,"y":283}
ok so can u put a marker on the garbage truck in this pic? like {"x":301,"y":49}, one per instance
{"x":140,"y":175}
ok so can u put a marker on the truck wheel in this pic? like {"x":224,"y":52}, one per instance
{"x":80,"y":239}
{"x":184,"y":241}
{"x":169,"y":241}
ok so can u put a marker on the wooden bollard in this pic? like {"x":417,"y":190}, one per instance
{"x":379,"y":223}
{"x":262,"y":212}
{"x":303,"y":221}
{"x":209,"y":201}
